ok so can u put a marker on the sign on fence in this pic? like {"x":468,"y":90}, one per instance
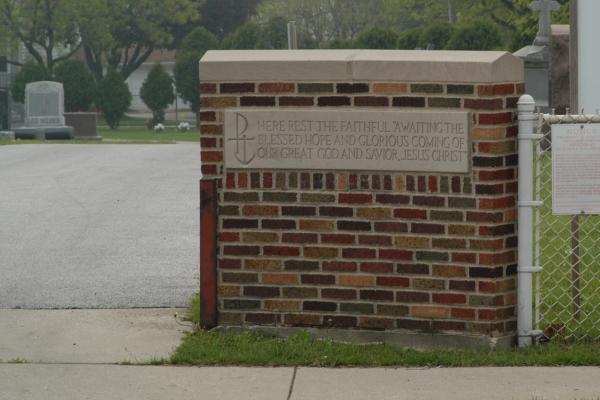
{"x":575,"y":169}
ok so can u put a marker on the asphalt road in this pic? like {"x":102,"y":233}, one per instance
{"x":98,"y":226}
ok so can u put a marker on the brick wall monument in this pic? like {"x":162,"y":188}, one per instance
{"x":375,"y":197}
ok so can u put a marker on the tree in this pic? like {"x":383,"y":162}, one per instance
{"x":517,"y":22}
{"x":47,"y":28}
{"x":221,"y":17}
{"x":274,"y":34}
{"x":199,"y":40}
{"x":377,"y":38}
{"x":157,"y":92}
{"x":113,"y":98}
{"x":121,"y":34}
{"x":436,"y":35}
{"x":78,"y":84}
{"x":408,"y":14}
{"x":476,"y":35}
{"x":324,"y":20}
{"x":245,"y":37}
{"x":192,"y":48}
{"x":30,"y":72}
{"x":410,"y":39}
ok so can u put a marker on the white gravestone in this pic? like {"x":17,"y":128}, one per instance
{"x":348,"y":140}
{"x":44,"y":113}
{"x":44,"y":104}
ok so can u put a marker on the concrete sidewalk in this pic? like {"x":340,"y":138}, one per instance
{"x":107,"y":382}
{"x":90,"y":336}
{"x":73,"y":355}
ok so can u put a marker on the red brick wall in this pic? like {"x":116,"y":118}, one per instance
{"x":431,"y":252}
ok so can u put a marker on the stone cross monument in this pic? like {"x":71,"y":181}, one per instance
{"x":537,"y":56}
{"x":545,"y":7}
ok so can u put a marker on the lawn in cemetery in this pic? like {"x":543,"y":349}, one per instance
{"x":131,"y":130}
{"x":555,"y":287}
{"x":132,"y":134}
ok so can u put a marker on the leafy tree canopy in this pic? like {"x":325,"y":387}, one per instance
{"x":43,"y":27}
{"x":222,"y":17}
{"x":436,"y":35}
{"x":476,"y":35}
{"x":326,"y":20}
{"x":377,"y":38}
{"x":121,"y":34}
{"x":198,"y":40}
{"x":30,"y":72}
{"x":245,"y":37}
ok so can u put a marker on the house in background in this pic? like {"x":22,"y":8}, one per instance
{"x":167,"y":59}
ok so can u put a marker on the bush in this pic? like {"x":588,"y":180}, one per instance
{"x":377,"y":38}
{"x":436,"y":36}
{"x":410,"y":39}
{"x":30,"y":72}
{"x":78,"y":83}
{"x":338,"y":44}
{"x":244,"y":38}
{"x":476,"y":35}
{"x":157,"y":92}
{"x":114,"y":97}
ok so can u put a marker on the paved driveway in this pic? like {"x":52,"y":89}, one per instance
{"x":98,"y":226}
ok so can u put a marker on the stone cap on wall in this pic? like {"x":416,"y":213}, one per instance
{"x":361,"y":65}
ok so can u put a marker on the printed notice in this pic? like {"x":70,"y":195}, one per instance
{"x":575,"y":169}
{"x":348,"y":140}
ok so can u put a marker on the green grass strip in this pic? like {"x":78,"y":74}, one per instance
{"x":301,"y":349}
{"x":256,"y":349}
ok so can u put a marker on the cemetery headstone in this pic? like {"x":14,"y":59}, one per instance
{"x":44,"y":112}
{"x":84,"y":125}
{"x":537,"y":56}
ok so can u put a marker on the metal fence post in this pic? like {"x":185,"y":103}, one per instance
{"x":527,"y":118}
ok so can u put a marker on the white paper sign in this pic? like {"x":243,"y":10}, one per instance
{"x":575,"y":169}
{"x":432,"y":141}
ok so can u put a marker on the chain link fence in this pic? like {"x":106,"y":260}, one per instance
{"x":567,"y":291}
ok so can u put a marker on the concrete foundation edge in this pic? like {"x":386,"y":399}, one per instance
{"x":91,"y":138}
{"x":414,"y":340}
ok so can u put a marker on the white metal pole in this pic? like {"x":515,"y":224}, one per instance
{"x":527,"y":118}
{"x":292,"y":35}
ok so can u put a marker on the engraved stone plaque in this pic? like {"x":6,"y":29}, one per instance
{"x":361,"y":140}
{"x":575,"y":169}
